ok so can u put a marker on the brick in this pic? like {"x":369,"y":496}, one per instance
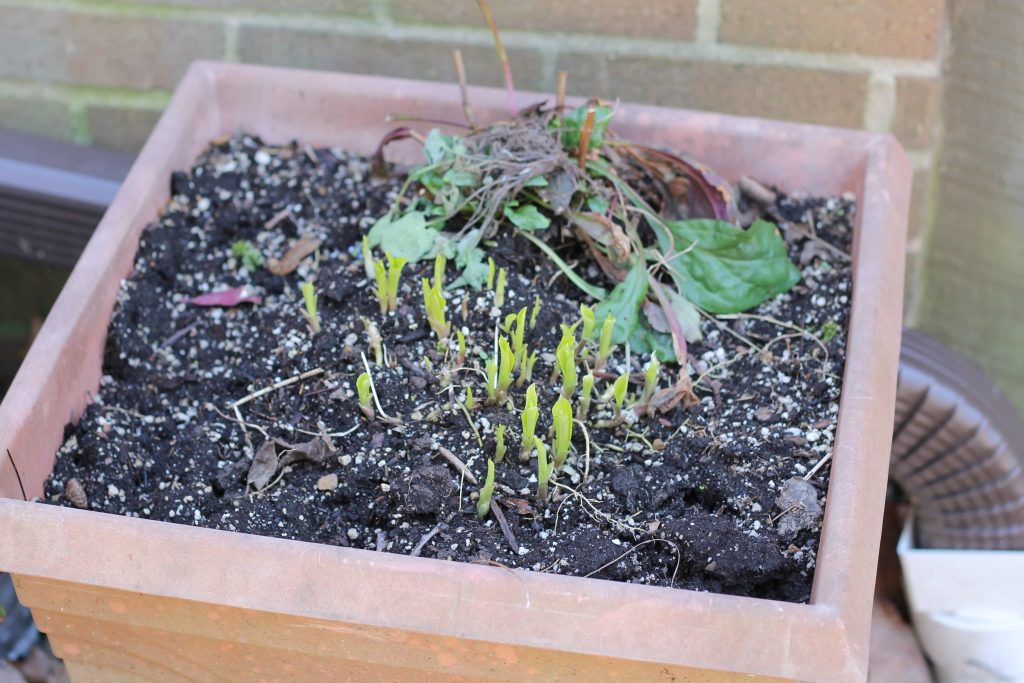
{"x":120,"y":128}
{"x":138,"y":52}
{"x":917,"y":108}
{"x":359,"y":8}
{"x":408,"y":58}
{"x":907,"y":28}
{"x":93,"y":49}
{"x":647,"y":19}
{"x":31,"y":44}
{"x":774,"y":92}
{"x":37,"y":116}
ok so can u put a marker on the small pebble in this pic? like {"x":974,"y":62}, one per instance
{"x":328,"y":482}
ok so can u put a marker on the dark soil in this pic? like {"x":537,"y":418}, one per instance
{"x":693,"y":498}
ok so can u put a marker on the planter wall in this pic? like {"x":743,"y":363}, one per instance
{"x":125,"y":598}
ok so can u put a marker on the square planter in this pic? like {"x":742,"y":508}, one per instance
{"x":125,"y":598}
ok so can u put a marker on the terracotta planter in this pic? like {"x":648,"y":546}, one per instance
{"x":127,"y":598}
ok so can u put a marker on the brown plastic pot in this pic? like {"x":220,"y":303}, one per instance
{"x":125,"y":598}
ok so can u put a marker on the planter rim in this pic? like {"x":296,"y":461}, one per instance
{"x":684,"y":627}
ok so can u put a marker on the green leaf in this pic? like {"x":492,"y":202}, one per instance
{"x":439,"y":147}
{"x":469,"y":258}
{"x":725,"y":269}
{"x":685,"y":312}
{"x":536,"y":181}
{"x":644,"y":340}
{"x":572,"y":124}
{"x":597,"y":204}
{"x":625,"y":302}
{"x":407,"y":236}
{"x":526,"y":217}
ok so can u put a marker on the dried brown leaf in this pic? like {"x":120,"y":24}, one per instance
{"x":300,"y":249}
{"x":264,"y":465}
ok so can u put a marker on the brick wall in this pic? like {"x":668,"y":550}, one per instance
{"x":99,"y":71}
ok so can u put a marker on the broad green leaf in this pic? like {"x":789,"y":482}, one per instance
{"x":439,"y":147}
{"x":625,"y":302}
{"x":407,"y":236}
{"x":536,"y":181}
{"x":644,"y":340}
{"x":573,"y":122}
{"x":526,"y":217}
{"x":726,"y":269}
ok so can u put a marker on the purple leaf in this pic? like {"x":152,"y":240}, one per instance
{"x":227,"y":297}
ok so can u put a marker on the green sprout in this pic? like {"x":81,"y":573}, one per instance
{"x":461,"y":358}
{"x":529,"y":419}
{"x":568,"y":339}
{"x":363,"y":389}
{"x":535,"y":312}
{"x":588,"y":388}
{"x":587,"y":318}
{"x":565,"y":361}
{"x":483,"y":504}
{"x":369,"y":264}
{"x":387,"y":281}
{"x":506,"y":362}
{"x":439,"y":264}
{"x":470,"y":402}
{"x":561,"y":417}
{"x":619,"y":393}
{"x":433,"y":301}
{"x":499,"y":290}
{"x":650,"y":379}
{"x":829,"y":331}
{"x":518,"y":331}
{"x":543,"y":471}
{"x":309,"y":296}
{"x":499,"y":436}
{"x":490,"y":273}
{"x":604,"y":345}
{"x":491,"y":374}
{"x":247,"y":252}
{"x":527,"y":374}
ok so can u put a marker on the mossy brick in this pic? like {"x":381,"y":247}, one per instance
{"x":124,"y":129}
{"x":38,"y":116}
{"x":907,"y":28}
{"x":649,"y":19}
{"x":409,"y":58}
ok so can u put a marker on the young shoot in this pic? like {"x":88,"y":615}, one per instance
{"x":565,"y":361}
{"x":490,"y":273}
{"x":461,"y":358}
{"x":433,"y":302}
{"x":506,"y":361}
{"x":529,"y":419}
{"x":588,"y":321}
{"x":604,"y":344}
{"x":439,"y":264}
{"x":491,"y":374}
{"x":568,"y":339}
{"x":535,"y":312}
{"x":543,"y":471}
{"x":619,"y":393}
{"x":365,"y":398}
{"x":499,"y":290}
{"x":588,"y":387}
{"x":561,"y":417}
{"x":248,"y":254}
{"x":483,"y":504}
{"x":518,"y":345}
{"x":650,"y":379}
{"x":369,"y":264}
{"x":387,"y":281}
{"x":309,"y":296}
{"x":499,"y":436}
{"x":527,"y":373}
{"x":470,"y":402}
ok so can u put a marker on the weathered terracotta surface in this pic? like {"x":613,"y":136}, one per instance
{"x":124,"y":598}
